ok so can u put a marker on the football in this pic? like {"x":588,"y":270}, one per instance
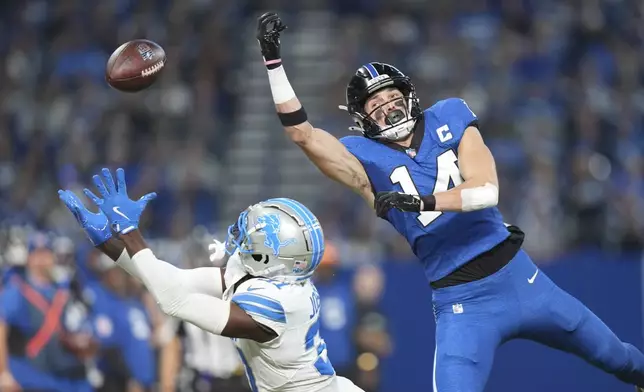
{"x":135,"y":65}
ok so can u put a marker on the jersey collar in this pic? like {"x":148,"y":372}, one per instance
{"x":416,"y":139}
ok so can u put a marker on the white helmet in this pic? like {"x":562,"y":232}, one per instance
{"x":277,"y":238}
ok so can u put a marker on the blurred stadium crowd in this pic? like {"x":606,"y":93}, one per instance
{"x":558,"y":85}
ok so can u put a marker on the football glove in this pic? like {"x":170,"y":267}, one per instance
{"x":217,"y":251}
{"x":122,"y":212}
{"x":385,"y":201}
{"x":95,"y":225}
{"x":234,"y":268}
{"x":269,"y":27}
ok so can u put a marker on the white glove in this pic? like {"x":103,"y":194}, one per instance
{"x":217,"y":251}
{"x":234,"y":268}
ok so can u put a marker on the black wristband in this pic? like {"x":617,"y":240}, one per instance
{"x":429,"y":202}
{"x":293,"y":118}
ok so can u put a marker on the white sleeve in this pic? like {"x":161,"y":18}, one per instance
{"x":204,"y":280}
{"x":176,"y":296}
{"x":261,"y":303}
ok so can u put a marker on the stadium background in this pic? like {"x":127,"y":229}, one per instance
{"x":557,"y":84}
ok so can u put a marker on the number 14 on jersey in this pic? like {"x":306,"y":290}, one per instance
{"x":447,"y":172}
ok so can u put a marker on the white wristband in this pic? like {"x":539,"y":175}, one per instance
{"x":280,"y":86}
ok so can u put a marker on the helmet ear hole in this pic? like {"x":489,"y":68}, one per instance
{"x":260,"y":258}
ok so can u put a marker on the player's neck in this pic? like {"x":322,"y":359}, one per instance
{"x":405,"y":142}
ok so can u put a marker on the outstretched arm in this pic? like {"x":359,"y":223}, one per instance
{"x":171,"y":288}
{"x":204,"y":280}
{"x":207,"y":312}
{"x":327,"y":153}
{"x":322,"y":148}
{"x":207,"y":280}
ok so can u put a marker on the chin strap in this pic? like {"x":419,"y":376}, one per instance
{"x":361,"y":130}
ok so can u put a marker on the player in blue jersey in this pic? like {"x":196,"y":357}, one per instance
{"x":429,"y":173}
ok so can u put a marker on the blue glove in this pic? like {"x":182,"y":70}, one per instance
{"x":122,"y":212}
{"x":96,"y":225}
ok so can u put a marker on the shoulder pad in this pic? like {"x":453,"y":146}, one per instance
{"x":453,"y":116}
{"x":261,"y":300}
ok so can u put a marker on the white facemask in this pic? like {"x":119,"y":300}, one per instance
{"x":403,"y":128}
{"x":399,"y":132}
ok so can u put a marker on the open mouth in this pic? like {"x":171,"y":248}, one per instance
{"x":395,"y":116}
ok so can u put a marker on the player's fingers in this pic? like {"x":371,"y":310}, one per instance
{"x":108,"y":180}
{"x":71,"y":196}
{"x":64,"y":196}
{"x":384,"y":202}
{"x":380,"y":210}
{"x":75,"y":204}
{"x":271,"y":23}
{"x":100,"y":186}
{"x":384,"y":205}
{"x":262,"y":22}
{"x":280,"y":26}
{"x":145,"y":199}
{"x":95,"y":199}
{"x":266,"y":15}
{"x":382,"y":195}
{"x":121,"y":186}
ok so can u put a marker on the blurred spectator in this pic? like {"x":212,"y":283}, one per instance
{"x":337,"y":312}
{"x":195,"y":360}
{"x":558,"y":85}
{"x":559,"y":92}
{"x":372,"y":337}
{"x":123,"y":327}
{"x":210,"y":363}
{"x":41,"y":354}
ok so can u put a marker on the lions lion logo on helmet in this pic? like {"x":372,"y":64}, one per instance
{"x":271,"y":228}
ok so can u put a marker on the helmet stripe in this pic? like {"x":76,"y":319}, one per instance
{"x":371,"y":69}
{"x":317,"y":239}
{"x":316,"y":233}
{"x":312,"y":223}
{"x":317,"y":242}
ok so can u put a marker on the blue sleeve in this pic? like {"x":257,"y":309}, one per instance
{"x":261,"y":306}
{"x":351,"y":142}
{"x":10,"y":304}
{"x":261,"y":302}
{"x":455,"y":116}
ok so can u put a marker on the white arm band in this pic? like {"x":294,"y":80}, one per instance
{"x":176,"y":296}
{"x":485,"y":196}
{"x":280,"y":86}
{"x":204,"y":280}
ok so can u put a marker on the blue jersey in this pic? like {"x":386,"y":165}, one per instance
{"x":443,"y":241}
{"x":123,"y":328}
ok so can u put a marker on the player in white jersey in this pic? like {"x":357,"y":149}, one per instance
{"x":264,"y":299}
{"x":296,"y":360}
